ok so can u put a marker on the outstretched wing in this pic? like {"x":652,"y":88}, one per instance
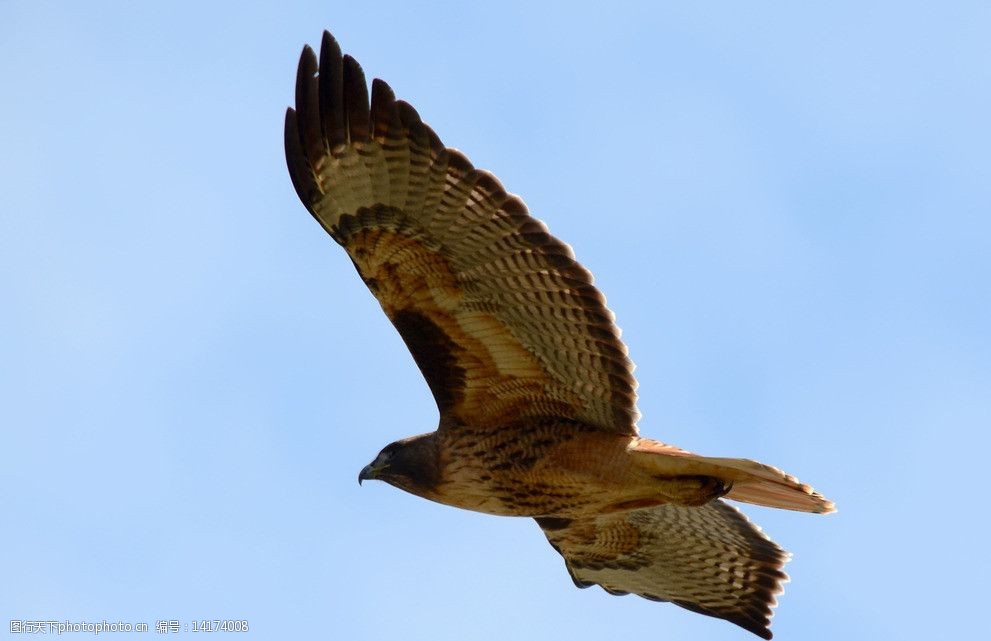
{"x":708,"y":559}
{"x":499,"y":317}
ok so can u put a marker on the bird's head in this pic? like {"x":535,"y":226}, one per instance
{"x":410,"y":464}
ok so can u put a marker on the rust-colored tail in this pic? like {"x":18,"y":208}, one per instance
{"x":753,"y":482}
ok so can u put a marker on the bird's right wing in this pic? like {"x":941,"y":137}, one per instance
{"x":708,"y":559}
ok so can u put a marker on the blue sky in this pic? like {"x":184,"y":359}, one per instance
{"x":786,"y":206}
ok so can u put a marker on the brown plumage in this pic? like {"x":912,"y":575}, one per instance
{"x":535,"y":390}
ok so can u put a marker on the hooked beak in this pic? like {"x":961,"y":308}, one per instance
{"x":370,"y":471}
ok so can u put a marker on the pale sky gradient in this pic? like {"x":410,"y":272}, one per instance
{"x":787,"y":207}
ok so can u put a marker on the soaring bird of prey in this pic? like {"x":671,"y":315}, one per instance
{"x":534,"y":388}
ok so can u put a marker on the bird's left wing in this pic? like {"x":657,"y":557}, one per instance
{"x":501,"y":319}
{"x":709,"y":559}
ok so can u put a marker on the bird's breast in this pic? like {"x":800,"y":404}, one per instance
{"x":567,"y":476}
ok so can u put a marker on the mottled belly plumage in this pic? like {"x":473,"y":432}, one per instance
{"x":552,"y":472}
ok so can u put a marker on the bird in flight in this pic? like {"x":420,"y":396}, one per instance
{"x":534,"y":387}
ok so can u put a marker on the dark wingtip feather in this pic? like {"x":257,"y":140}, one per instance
{"x":356,"y":100}
{"x":408,"y":113}
{"x":410,"y":119}
{"x":299,"y":168}
{"x":383,"y":108}
{"x":384,"y":92}
{"x":757,"y":624}
{"x":308,"y":106}
{"x":331,"y":91}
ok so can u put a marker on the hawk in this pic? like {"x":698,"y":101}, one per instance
{"x":533,"y":385}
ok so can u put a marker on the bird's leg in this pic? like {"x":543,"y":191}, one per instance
{"x":692,"y":489}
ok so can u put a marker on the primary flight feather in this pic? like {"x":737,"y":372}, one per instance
{"x":535,"y":391}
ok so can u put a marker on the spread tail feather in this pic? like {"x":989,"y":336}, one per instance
{"x":753,"y":482}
